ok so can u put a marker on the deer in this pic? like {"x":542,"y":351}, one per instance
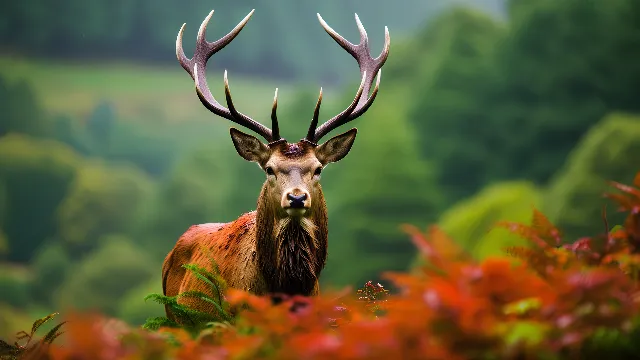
{"x":281,"y":247}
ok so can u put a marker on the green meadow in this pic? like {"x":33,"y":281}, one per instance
{"x":74,"y":88}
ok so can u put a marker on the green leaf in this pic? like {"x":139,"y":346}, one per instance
{"x":156,"y":323}
{"x":616,"y":228}
{"x":198,"y":272}
{"x":161,"y":299}
{"x":202,"y":296}
{"x":211,"y":278}
{"x":40,"y":322}
{"x":53,"y":333}
{"x":527,"y":332}
{"x":523,"y":306}
{"x":23,"y":335}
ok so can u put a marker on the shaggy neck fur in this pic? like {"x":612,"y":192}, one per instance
{"x":291,"y":252}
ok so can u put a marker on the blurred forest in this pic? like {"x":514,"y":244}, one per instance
{"x":486,"y":109}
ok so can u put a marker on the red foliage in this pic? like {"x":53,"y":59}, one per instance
{"x":452,"y":307}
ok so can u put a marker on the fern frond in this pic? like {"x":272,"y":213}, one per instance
{"x":161,"y":299}
{"x":204,"y":297}
{"x":36,"y":324}
{"x":200,"y":273}
{"x":53,"y":333}
{"x":156,"y":323}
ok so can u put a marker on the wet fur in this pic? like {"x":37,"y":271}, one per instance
{"x":261,"y":252}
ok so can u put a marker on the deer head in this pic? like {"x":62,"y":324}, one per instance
{"x":292,"y":169}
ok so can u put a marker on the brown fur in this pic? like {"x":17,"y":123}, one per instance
{"x":263,"y":251}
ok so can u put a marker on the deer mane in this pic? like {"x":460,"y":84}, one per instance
{"x":291,"y":252}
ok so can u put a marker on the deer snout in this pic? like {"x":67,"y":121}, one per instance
{"x":296,"y":201}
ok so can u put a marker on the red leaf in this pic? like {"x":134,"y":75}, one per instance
{"x":626,"y":189}
{"x":524,"y":231}
{"x":545,"y":229}
{"x":625,"y":203}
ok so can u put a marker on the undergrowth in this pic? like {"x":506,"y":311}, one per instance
{"x":551,"y":299}
{"x":25,"y":345}
{"x":192,"y":320}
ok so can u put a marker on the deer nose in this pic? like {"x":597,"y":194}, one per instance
{"x":296,"y":201}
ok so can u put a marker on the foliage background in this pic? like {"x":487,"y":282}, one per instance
{"x":486,"y":109}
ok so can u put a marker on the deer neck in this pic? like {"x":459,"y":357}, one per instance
{"x":291,"y":252}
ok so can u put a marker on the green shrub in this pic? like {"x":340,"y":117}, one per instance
{"x":134,"y":309}
{"x":472,"y":222}
{"x":50,"y":267}
{"x":103,"y":277}
{"x":573,"y":199}
{"x":14,"y":285}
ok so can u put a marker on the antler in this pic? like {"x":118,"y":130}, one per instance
{"x":369,"y":67}
{"x":196,"y":67}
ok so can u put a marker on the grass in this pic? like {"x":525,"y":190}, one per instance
{"x":140,"y":91}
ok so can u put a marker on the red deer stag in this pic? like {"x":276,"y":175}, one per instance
{"x":282,"y":246}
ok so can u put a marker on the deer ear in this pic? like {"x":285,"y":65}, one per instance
{"x":249,"y":147}
{"x":336,"y":148}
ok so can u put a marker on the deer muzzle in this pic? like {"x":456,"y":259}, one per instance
{"x":296,"y":201}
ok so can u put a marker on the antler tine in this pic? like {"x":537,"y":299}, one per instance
{"x":336,"y":120}
{"x":346,"y":44}
{"x":314,"y":120}
{"x":196,"y":67}
{"x":274,"y":118}
{"x":369,"y":68}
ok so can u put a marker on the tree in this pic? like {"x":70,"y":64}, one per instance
{"x":14,"y":285}
{"x":608,"y":152}
{"x":563,"y":67}
{"x":68,"y":131}
{"x":103,"y":277}
{"x":21,"y":111}
{"x":456,"y":76}
{"x":50,"y":265}
{"x":100,"y":125}
{"x":510,"y":101}
{"x":37,"y":174}
{"x":4,"y":243}
{"x":283,"y":39}
{"x":102,"y":200}
{"x":133,"y":309}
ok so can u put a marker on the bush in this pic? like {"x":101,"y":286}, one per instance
{"x":472,"y":222}
{"x":50,"y":266}
{"x":4,"y":243}
{"x":573,"y":200}
{"x":556,"y":302}
{"x":102,"y":200}
{"x":104,"y":276}
{"x":33,"y":171}
{"x":25,"y":347}
{"x":134,"y":309}
{"x":14,"y":285}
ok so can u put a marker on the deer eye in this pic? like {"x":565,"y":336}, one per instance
{"x":269,"y":170}
{"x":318,"y":171}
